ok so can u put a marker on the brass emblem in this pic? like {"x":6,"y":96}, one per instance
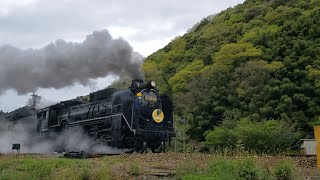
{"x":158,"y":115}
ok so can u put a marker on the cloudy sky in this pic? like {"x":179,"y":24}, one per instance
{"x":147,"y":26}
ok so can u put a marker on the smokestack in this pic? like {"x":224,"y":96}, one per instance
{"x":62,"y":63}
{"x":34,"y":101}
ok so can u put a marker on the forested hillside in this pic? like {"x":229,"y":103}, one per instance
{"x":257,"y":61}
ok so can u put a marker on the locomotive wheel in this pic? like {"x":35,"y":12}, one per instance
{"x":128,"y":141}
{"x":94,"y":131}
{"x":59,"y":149}
{"x":140,"y":145}
{"x":158,"y":147}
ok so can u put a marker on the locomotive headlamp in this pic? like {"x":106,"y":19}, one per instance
{"x":153,"y":84}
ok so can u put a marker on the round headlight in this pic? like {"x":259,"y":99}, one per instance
{"x":153,"y":84}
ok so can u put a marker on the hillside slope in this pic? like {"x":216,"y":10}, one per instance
{"x":259,"y":60}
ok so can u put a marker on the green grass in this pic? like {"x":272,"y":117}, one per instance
{"x":225,"y":168}
{"x":29,"y":168}
{"x":134,"y":169}
{"x":187,"y":168}
{"x":216,"y":167}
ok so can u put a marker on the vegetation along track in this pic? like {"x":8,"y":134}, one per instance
{"x":138,"y":166}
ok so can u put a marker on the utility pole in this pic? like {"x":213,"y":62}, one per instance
{"x":184,"y":143}
{"x":182,"y":121}
{"x":317,"y":138}
{"x":175,"y":143}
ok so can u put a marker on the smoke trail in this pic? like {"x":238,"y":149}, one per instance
{"x":62,"y":63}
{"x":73,"y":139}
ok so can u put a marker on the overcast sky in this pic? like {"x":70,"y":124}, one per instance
{"x":147,"y":25}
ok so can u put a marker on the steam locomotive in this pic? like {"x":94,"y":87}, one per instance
{"x":136,"y":118}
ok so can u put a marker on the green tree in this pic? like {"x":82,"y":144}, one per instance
{"x":258,"y":60}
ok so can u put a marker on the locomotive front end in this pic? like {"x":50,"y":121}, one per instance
{"x":152,"y":117}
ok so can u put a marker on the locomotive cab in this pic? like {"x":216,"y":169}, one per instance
{"x":43,"y":118}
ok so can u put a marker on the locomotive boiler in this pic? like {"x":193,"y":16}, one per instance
{"x":136,"y":118}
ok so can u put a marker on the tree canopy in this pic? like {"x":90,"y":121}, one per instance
{"x":259,"y":60}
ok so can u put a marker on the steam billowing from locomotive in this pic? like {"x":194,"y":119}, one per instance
{"x":25,"y":133}
{"x":62,"y":63}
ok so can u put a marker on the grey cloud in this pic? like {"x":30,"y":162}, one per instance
{"x":62,"y":63}
{"x":53,"y":19}
{"x":36,"y":24}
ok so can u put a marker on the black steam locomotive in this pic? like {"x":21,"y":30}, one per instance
{"x":137,"y":118}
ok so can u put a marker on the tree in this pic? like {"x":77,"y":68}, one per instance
{"x":258,"y":60}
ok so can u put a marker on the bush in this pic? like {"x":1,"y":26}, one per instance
{"x":264,"y":137}
{"x":134,"y":169}
{"x":103,"y":172}
{"x":284,"y":170}
{"x":248,"y":170}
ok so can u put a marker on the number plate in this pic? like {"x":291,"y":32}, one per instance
{"x":150,"y":98}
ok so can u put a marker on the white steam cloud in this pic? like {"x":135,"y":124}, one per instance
{"x":73,"y":139}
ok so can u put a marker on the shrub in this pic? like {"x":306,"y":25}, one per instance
{"x":134,"y":169}
{"x":269,"y":136}
{"x":284,"y":170}
{"x":103,"y":172}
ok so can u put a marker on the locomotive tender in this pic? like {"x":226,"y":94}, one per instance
{"x":138,"y":117}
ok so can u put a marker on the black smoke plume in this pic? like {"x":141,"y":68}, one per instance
{"x":62,"y":63}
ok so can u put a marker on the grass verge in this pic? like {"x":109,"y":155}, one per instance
{"x":223,"y":168}
{"x":52,"y":168}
